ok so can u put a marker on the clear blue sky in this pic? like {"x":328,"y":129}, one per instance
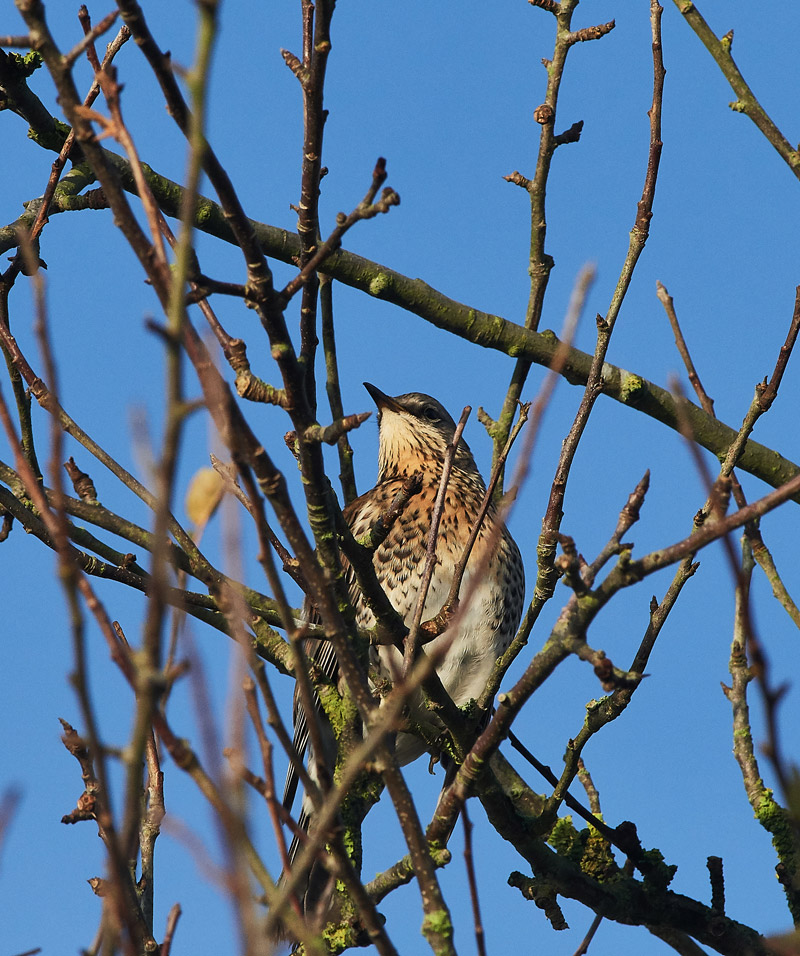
{"x":446,"y":93}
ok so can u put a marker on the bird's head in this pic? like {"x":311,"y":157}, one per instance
{"x":414,"y":431}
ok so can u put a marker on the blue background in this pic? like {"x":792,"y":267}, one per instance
{"x":446,"y":92}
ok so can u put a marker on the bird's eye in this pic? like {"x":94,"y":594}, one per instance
{"x":431,"y":414}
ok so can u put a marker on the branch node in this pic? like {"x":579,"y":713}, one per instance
{"x":552,"y":6}
{"x":518,"y":180}
{"x":543,"y":895}
{"x":591,"y":33}
{"x":727,"y":41}
{"x":294,"y":65}
{"x":81,"y":482}
{"x":330,"y":434}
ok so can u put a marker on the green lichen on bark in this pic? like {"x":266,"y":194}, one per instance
{"x":587,"y":848}
{"x":438,"y":926}
{"x":659,"y":874}
{"x":341,"y":711}
{"x":25,"y":64}
{"x":338,"y":937}
{"x":778,"y":823}
{"x":566,"y":840}
{"x":598,"y":860}
{"x":52,"y":139}
{"x":379,"y":284}
{"x":632,"y":386}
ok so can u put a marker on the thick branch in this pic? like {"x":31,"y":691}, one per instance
{"x":481,"y":328}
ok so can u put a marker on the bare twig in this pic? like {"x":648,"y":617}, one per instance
{"x":273,"y":804}
{"x":366,"y":209}
{"x":669,"y":307}
{"x":412,"y":637}
{"x":551,"y":524}
{"x":15,"y":40}
{"x":59,"y":163}
{"x":746,"y":102}
{"x":540,"y":261}
{"x":764,"y":398}
{"x":169,"y":932}
{"x":765,"y":395}
{"x":480,"y":940}
{"x":488,"y":497}
{"x":92,"y":34}
{"x":773,"y":817}
{"x":583,"y":947}
{"x":575,"y":308}
{"x":466,"y":321}
{"x":332,"y":387}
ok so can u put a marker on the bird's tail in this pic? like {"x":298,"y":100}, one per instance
{"x":316,"y":890}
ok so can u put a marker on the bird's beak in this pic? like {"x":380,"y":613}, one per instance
{"x":381,"y":399}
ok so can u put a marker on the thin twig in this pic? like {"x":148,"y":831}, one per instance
{"x":366,"y":209}
{"x":551,"y":523}
{"x":273,"y":805}
{"x":583,"y":947}
{"x":169,"y":932}
{"x":412,"y":638}
{"x":469,"y":863}
{"x":540,"y":262}
{"x":59,"y":163}
{"x":22,"y":40}
{"x":467,"y":322}
{"x":539,"y":406}
{"x":765,"y":395}
{"x":333,"y":388}
{"x":669,"y":307}
{"x":92,"y":34}
{"x":486,"y":504}
{"x":746,"y":102}
{"x":760,"y":550}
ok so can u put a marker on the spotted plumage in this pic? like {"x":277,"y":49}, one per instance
{"x":414,"y":432}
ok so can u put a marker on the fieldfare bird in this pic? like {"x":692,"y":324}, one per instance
{"x":414,"y":433}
